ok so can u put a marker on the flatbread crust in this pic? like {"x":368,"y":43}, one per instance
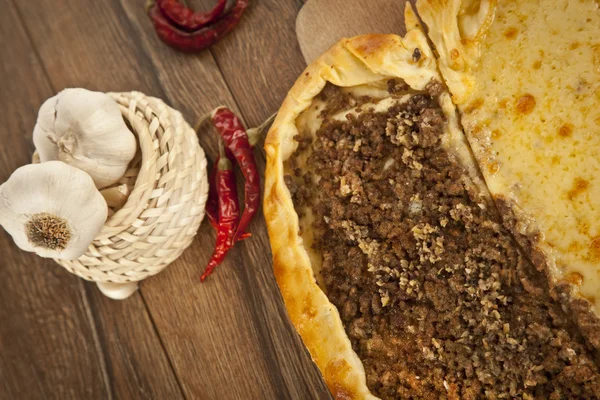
{"x":459,"y":30}
{"x":351,"y":62}
{"x":524,"y":76}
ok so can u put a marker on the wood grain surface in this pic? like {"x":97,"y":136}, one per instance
{"x":321,"y":23}
{"x":176,"y":338}
{"x":229,"y":338}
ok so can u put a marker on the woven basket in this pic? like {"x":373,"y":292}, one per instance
{"x":165,"y":207}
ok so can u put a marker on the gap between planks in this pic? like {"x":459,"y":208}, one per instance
{"x":84,"y":287}
{"x":83,"y":290}
{"x":91,"y":320}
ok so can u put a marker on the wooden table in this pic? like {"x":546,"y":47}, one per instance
{"x":176,"y":338}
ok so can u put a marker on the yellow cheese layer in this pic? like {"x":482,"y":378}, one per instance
{"x":533,"y":120}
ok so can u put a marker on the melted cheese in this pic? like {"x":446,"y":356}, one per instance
{"x":533,"y":120}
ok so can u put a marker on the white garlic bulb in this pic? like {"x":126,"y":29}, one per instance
{"x":85,"y":129}
{"x":52,"y":209}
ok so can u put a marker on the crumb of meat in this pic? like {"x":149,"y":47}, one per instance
{"x":436,"y":298}
{"x":396,"y":86}
{"x":338,"y":100}
{"x":435,"y":87}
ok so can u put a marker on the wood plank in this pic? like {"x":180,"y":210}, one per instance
{"x":136,"y":365}
{"x":234,"y":326}
{"x":265,"y":44}
{"x":212,"y":333}
{"x":47,"y":347}
{"x":321,"y":23}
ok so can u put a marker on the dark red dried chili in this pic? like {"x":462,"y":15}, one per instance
{"x":212,"y":203}
{"x":229,"y":212}
{"x":236,"y":139}
{"x":187,"y":19}
{"x":200,"y":39}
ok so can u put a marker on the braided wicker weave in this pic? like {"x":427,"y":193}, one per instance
{"x":166,"y":206}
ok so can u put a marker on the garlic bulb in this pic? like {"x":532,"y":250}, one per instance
{"x":52,"y":209}
{"x":86,"y":130}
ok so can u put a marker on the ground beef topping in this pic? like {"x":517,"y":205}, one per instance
{"x":435,"y":296}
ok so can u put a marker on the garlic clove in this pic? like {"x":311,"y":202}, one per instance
{"x":52,"y":209}
{"x":35,"y":158}
{"x":47,"y":114}
{"x":41,"y":132}
{"x":45,"y":148}
{"x":85,"y":129}
{"x":117,"y":291}
{"x":116,"y":196}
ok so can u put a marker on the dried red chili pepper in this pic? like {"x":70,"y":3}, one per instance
{"x":187,"y":19}
{"x":229,"y":212}
{"x":200,"y":39}
{"x":236,"y":139}
{"x":212,"y":203}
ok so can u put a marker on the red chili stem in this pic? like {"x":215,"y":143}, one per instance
{"x":234,"y":134}
{"x":229,"y":213}
{"x":201,"y":121}
{"x":200,"y":39}
{"x":187,"y":19}
{"x":255,"y":134}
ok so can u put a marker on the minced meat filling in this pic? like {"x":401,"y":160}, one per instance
{"x":435,"y":296}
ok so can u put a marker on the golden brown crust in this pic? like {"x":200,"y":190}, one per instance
{"x":351,"y":62}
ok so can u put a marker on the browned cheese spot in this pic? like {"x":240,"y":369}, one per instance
{"x":496,"y":134}
{"x":596,"y":54}
{"x":595,"y":248}
{"x":502,"y":103}
{"x":511,"y":32}
{"x":574,"y":278}
{"x":454,"y":54}
{"x":493,"y":167}
{"x":537,"y":64}
{"x":369,"y":44}
{"x":583,"y":227}
{"x":574,"y":45}
{"x":579,"y":186}
{"x":476,"y":131}
{"x":475,"y":104}
{"x":565,"y":130}
{"x":574,"y":247}
{"x":525,"y":104}
{"x":555,"y":160}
